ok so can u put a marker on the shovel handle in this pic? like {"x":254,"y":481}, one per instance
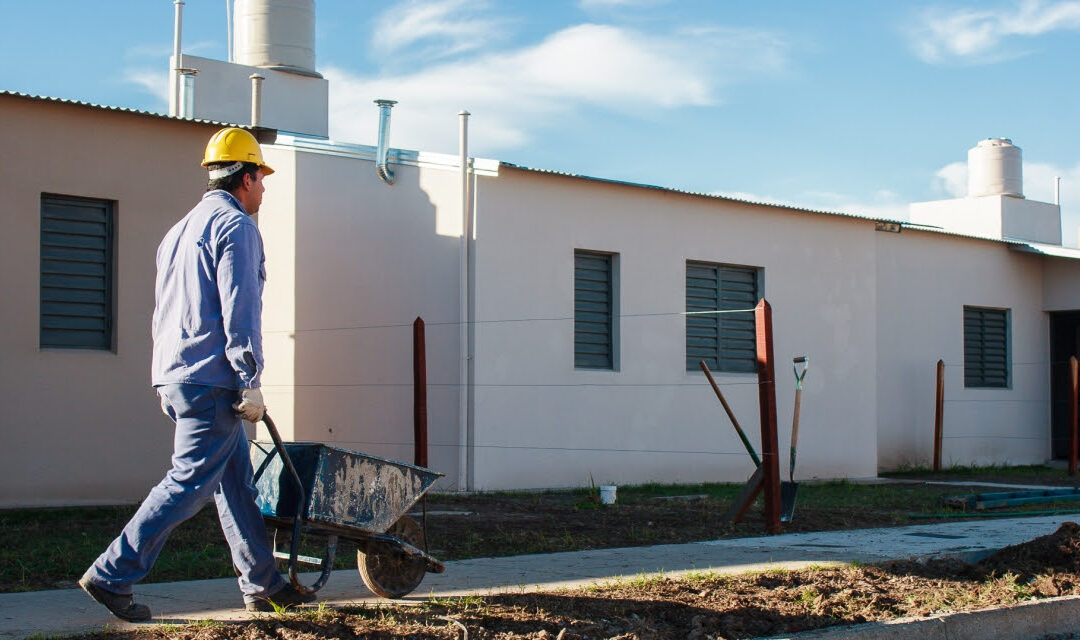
{"x":799,"y":375}
{"x":731,"y":415}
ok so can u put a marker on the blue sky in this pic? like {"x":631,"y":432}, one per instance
{"x":861,"y":106}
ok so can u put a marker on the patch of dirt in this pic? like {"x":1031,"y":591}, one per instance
{"x":703,"y":608}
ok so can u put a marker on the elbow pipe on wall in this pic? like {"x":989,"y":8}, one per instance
{"x":383,"y":150}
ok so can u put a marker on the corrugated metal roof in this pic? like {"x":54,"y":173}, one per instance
{"x":1052,"y":250}
{"x":701,"y":194}
{"x":1019,"y":245}
{"x":91,"y":105}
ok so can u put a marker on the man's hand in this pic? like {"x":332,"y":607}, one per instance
{"x":250,"y":407}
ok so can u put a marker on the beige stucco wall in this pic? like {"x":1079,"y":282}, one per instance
{"x":1061,"y":284}
{"x":351,"y":263}
{"x":924,"y":280}
{"x":85,"y":426}
{"x":539,"y":422}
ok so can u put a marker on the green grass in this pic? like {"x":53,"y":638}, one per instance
{"x":1002,"y":473}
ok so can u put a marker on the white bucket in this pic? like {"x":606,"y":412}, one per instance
{"x":607,"y":493}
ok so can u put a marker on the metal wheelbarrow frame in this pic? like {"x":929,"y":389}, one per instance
{"x":347,"y":495}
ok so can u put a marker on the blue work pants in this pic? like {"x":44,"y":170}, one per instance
{"x":210,"y":459}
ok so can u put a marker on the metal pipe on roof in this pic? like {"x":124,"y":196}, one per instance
{"x":186,"y":102}
{"x":464,"y":304}
{"x":383,"y":150}
{"x":178,"y":21}
{"x":229,"y":30}
{"x":256,"y":99}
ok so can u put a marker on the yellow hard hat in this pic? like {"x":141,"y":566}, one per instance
{"x":235,"y":145}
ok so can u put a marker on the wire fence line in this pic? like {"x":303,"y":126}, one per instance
{"x":526,"y":447}
{"x":454,"y":446}
{"x":1038,"y":363}
{"x":526,"y":385}
{"x":455,"y":323}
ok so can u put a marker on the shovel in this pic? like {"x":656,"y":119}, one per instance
{"x":789,"y":489}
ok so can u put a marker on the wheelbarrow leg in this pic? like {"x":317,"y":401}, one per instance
{"x":298,"y":520}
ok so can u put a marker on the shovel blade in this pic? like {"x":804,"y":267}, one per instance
{"x":788,"y":490}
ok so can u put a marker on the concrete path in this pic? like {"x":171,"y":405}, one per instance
{"x":71,"y":611}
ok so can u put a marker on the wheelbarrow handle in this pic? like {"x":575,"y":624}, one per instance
{"x":298,"y":519}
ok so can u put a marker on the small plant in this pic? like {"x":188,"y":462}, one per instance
{"x":808,"y":596}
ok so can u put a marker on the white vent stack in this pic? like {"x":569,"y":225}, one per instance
{"x":276,"y":34}
{"x":271,"y":39}
{"x":994,"y":169}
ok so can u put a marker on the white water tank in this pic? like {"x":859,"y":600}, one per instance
{"x":994,"y":168}
{"x":275,"y":34}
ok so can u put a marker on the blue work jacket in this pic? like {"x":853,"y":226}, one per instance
{"x":208,"y":298}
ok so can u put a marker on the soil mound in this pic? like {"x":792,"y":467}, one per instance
{"x":1057,"y":552}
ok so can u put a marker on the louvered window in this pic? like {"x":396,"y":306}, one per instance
{"x":76,"y":273}
{"x":725,"y":341}
{"x":986,"y":347}
{"x":594,"y":310}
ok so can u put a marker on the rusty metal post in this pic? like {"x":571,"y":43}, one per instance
{"x":770,"y":458}
{"x":420,"y":445}
{"x":1074,"y":397}
{"x":939,"y":417}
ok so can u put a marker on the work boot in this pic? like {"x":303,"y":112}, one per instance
{"x":121,"y":606}
{"x":287,"y":596}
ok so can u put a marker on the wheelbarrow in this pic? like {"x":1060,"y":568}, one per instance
{"x":312,"y":488}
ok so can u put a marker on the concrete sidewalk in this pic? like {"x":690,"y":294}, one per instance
{"x":71,"y":611}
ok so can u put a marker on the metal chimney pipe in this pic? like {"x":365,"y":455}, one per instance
{"x":178,"y":21}
{"x":384,"y":141}
{"x":256,"y":99}
{"x":465,"y":292}
{"x":186,"y":106}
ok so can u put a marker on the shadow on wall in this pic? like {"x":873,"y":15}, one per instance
{"x":369,"y":261}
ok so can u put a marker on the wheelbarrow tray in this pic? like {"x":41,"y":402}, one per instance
{"x":346,"y":491}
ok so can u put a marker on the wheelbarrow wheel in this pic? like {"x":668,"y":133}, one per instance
{"x":387,"y":571}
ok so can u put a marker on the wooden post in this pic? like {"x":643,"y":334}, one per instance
{"x":770,"y":458}
{"x":420,"y":448}
{"x":939,"y":411}
{"x":1074,"y":386}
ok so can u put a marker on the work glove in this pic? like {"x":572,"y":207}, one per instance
{"x":250,"y":407}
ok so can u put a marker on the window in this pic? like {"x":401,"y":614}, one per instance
{"x":725,"y":341}
{"x":986,"y":347}
{"x":77,"y":256}
{"x":594,"y":310}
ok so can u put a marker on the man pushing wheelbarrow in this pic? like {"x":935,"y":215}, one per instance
{"x":207,"y":364}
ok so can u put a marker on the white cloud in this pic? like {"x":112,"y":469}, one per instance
{"x":952,"y":180}
{"x":516,"y":94}
{"x":607,"y":5}
{"x":448,"y":27}
{"x":155,"y":83}
{"x":983,"y":35}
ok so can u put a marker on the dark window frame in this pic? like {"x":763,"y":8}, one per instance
{"x":987,"y":347}
{"x":77,"y":273}
{"x":726,"y":342}
{"x":596,"y":339}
